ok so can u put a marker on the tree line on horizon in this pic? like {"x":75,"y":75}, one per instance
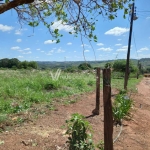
{"x":14,"y":63}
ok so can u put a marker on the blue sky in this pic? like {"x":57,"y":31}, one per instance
{"x":22,"y":42}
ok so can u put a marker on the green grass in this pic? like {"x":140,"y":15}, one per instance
{"x":26,"y":90}
{"x":119,"y":84}
{"x":21,"y":89}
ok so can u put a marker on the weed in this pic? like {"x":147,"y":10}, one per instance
{"x":3,"y":118}
{"x":67,"y":102}
{"x":20,"y":120}
{"x":79,"y":138}
{"x":121,"y":107}
{"x":50,"y":86}
{"x":100,"y":145}
{"x":90,"y":83}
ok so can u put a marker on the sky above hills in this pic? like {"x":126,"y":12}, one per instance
{"x":25,"y":43}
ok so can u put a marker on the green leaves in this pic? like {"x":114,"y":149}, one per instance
{"x":56,"y":31}
{"x":79,"y":138}
{"x":121,"y":107}
{"x":33,"y":24}
{"x":82,"y":18}
{"x":111,"y":17}
{"x":47,"y":13}
{"x":6,"y":1}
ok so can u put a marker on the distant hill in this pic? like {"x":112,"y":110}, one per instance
{"x":145,"y":62}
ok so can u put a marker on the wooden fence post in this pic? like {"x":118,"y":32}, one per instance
{"x":108,"y":118}
{"x":96,"y":110}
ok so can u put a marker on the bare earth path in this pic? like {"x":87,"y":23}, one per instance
{"x":136,"y":135}
{"x":47,"y":132}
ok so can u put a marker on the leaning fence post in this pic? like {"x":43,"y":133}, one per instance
{"x":108,"y":118}
{"x":96,"y":110}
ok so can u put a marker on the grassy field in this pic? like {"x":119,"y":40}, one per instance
{"x":22,"y":90}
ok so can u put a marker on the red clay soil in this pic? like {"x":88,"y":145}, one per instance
{"x":47,"y":132}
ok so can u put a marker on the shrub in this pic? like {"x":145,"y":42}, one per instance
{"x":121,"y":107}
{"x":84,"y":66}
{"x":78,"y":138}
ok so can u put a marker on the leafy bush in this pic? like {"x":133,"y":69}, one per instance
{"x":120,"y":66}
{"x":52,"y":86}
{"x":71,"y":69}
{"x":108,"y":65}
{"x":84,"y":66}
{"x":78,"y":138}
{"x":121,"y":107}
{"x":14,"y":63}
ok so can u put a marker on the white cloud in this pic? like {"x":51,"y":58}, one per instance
{"x":118,"y":44}
{"x":15,"y":48}
{"x":49,"y":53}
{"x":19,"y":40}
{"x":5,"y":28}
{"x":85,"y":45}
{"x":115,"y":53}
{"x":144,"y":55}
{"x":59,"y":25}
{"x":86,"y":51}
{"x":143,"y":49}
{"x":50,"y":42}
{"x":29,"y":52}
{"x":123,"y":49}
{"x":27,"y":49}
{"x":60,"y":50}
{"x":147,"y":18}
{"x":18,"y":32}
{"x":100,"y":44}
{"x":20,"y":56}
{"x":38,"y":49}
{"x":69,"y":43}
{"x":105,"y":49}
{"x":117,"y":31}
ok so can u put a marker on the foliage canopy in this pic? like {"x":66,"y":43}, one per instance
{"x":120,"y":65}
{"x":15,"y":63}
{"x":84,"y":66}
{"x":78,"y":15}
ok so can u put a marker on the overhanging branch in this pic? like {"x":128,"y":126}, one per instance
{"x":7,"y":6}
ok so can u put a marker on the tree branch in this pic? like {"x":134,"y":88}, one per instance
{"x":7,"y":6}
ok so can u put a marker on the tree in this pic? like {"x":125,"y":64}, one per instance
{"x":120,"y":65}
{"x":33,"y":64}
{"x":108,"y":65}
{"x":14,"y":62}
{"x":4,"y":63}
{"x":80,"y":16}
{"x":24,"y":65}
{"x":84,"y":66}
